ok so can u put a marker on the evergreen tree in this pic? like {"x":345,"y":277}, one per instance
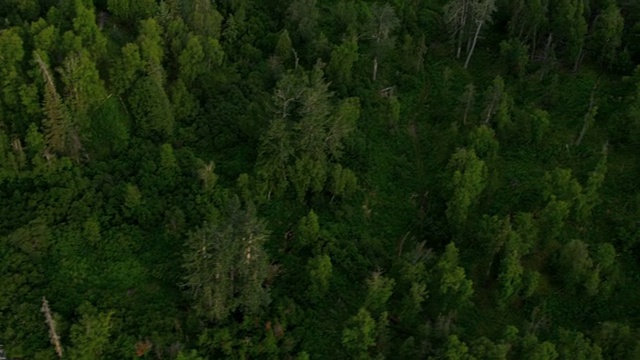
{"x":226,"y":264}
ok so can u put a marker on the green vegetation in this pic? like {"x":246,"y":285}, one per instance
{"x":304,"y":179}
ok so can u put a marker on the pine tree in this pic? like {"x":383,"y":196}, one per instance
{"x":57,"y":123}
{"x":226,"y":264}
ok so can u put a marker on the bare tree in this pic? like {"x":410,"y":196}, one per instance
{"x":482,"y":11}
{"x":383,"y":22}
{"x":53,"y":335}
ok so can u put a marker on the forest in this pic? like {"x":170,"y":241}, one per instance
{"x":320,"y":179}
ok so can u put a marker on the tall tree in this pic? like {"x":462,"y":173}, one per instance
{"x":569,"y":26}
{"x":342,"y":59}
{"x":226,"y":264}
{"x":90,"y":337}
{"x":454,"y":290}
{"x":151,"y":109}
{"x":481,"y":11}
{"x":468,"y":180}
{"x":61,"y":136}
{"x":607,"y":33}
{"x":303,"y":16}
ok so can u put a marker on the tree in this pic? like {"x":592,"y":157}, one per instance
{"x":274,"y":154}
{"x":308,"y":231}
{"x":90,"y":336}
{"x":127,"y":69}
{"x":529,"y":21}
{"x":131,"y":11}
{"x":51,"y":324}
{"x":341,"y":123}
{"x":305,"y":135}
{"x":456,"y":15}
{"x":483,"y":348}
{"x":343,"y":181}
{"x":203,"y":18}
{"x":483,"y":141}
{"x":456,"y":349}
{"x":226,"y":264}
{"x":607,"y":33}
{"x":553,"y":216}
{"x":618,"y":341}
{"x":574,"y":345}
{"x":207,"y":175}
{"x":359,"y":336}
{"x":379,"y":290}
{"x":590,"y":197}
{"x":11,"y":47}
{"x":468,"y":180}
{"x":467,"y":101}
{"x":575,"y":262}
{"x":481,"y":11}
{"x":303,"y":15}
{"x":320,"y":272}
{"x":589,"y":117}
{"x":498,"y":103}
{"x":516,"y":55}
{"x":284,"y":47}
{"x":454,"y":289}
{"x":84,"y":89}
{"x":383,"y":22}
{"x":568,"y":24}
{"x":343,"y":57}
{"x":86,"y":27}
{"x":61,"y":136}
{"x":151,"y":48}
{"x":561,"y":184}
{"x":191,"y":60}
{"x":510,"y":276}
{"x":151,"y":109}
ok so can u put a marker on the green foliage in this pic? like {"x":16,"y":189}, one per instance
{"x":379,"y":291}
{"x":320,"y":270}
{"x":131,"y":11}
{"x":468,"y":180}
{"x":359,"y":335}
{"x":127,"y":68}
{"x":516,"y":56}
{"x":607,"y":34}
{"x":90,"y":336}
{"x":454,"y":289}
{"x":456,"y":349}
{"x":151,"y":109}
{"x":308,"y":229}
{"x":142,"y":143}
{"x":510,"y":276}
{"x":342,"y":59}
{"x":574,"y":345}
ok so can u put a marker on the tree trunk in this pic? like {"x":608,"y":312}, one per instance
{"x":375,"y":68}
{"x":461,"y":31}
{"x":473,"y":45}
{"x":576,"y":65}
{"x":533,"y":43}
{"x":466,"y":109}
{"x":547,"y":48}
{"x":588,"y":117}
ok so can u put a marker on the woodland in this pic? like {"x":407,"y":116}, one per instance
{"x":320,"y":179}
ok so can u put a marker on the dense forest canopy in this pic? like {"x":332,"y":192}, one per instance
{"x":319,"y":179}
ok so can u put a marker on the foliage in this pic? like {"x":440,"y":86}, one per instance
{"x":319,"y":179}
